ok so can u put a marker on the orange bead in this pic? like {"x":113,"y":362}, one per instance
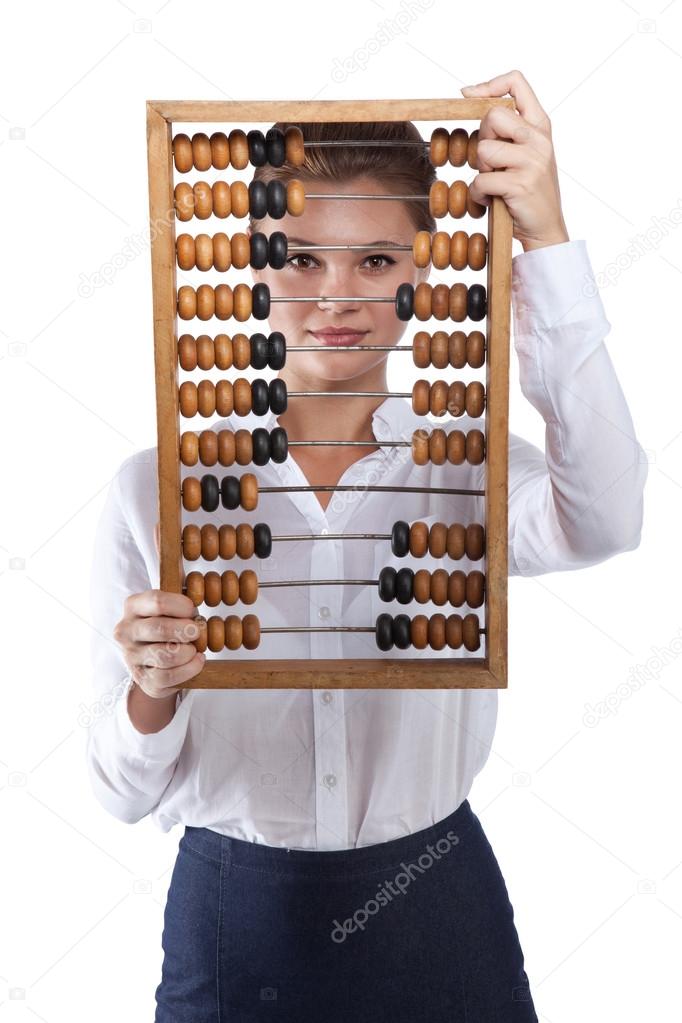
{"x":295,"y":197}
{"x":419,"y":539}
{"x":421,"y":349}
{"x":457,"y":199}
{"x":239,"y":198}
{"x":222,"y":199}
{"x":438,"y":152}
{"x":251,"y":632}
{"x":185,"y":251}
{"x":191,"y":542}
{"x":438,"y":199}
{"x":220,"y":150}
{"x":457,"y":153}
{"x":421,"y":249}
{"x":420,"y":447}
{"x":189,"y":448}
{"x":187,"y":352}
{"x":182,"y":153}
{"x":421,"y":391}
{"x":239,"y":149}
{"x":294,"y":145}
{"x":248,"y":491}
{"x":208,"y":447}
{"x":226,"y":447}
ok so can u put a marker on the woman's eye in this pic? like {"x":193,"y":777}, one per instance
{"x":376,"y":264}
{"x":308,"y":261}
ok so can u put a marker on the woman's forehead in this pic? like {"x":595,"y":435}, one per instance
{"x":333,"y":221}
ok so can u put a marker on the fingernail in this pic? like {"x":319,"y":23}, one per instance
{"x":465,"y":87}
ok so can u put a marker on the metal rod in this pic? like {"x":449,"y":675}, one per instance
{"x":386,"y":490}
{"x":394,"y":247}
{"x":334,"y":536}
{"x":329,"y":298}
{"x":320,"y":582}
{"x":368,"y":142}
{"x":349,"y":443}
{"x":350,"y":394}
{"x":360,"y":195}
{"x":354,"y":348}
{"x":329,"y":628}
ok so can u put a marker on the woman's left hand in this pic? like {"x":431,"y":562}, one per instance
{"x":516,"y":161}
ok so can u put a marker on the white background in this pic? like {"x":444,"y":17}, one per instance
{"x":582,"y":811}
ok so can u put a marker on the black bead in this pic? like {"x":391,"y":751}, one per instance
{"x":404,"y":301}
{"x":278,"y":395}
{"x":274,"y":140}
{"x":476,"y":303}
{"x":262,"y":540}
{"x":278,"y":250}
{"x":258,"y":199}
{"x":260,"y":399}
{"x":384,"y":631}
{"x":259,"y":250}
{"x":404,"y":585}
{"x":209,"y":492}
{"x":260,"y":350}
{"x":387,"y":578}
{"x":260,"y":297}
{"x":258,"y":152}
{"x":277,"y":354}
{"x":260,"y":439}
{"x":402,"y":631}
{"x":400,"y":538}
{"x":279,"y":444}
{"x":229,"y":492}
{"x":277,"y":199}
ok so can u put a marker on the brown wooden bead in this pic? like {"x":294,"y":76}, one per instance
{"x":440,"y":140}
{"x":242,"y":396}
{"x":475,"y":209}
{"x":437,"y":631}
{"x":456,"y":535}
{"x":206,"y":300}
{"x":438,"y":402}
{"x":209,"y":541}
{"x":456,"y":448}
{"x":438,"y":540}
{"x":471,"y":632}
{"x":205,"y":352}
{"x":294,"y":147}
{"x":228,"y":541}
{"x":439,"y":587}
{"x":183,"y":196}
{"x":227,"y":447}
{"x":239,"y":149}
{"x":457,"y":349}
{"x":241,"y":250}
{"x":475,"y":447}
{"x":456,"y":398}
{"x":422,"y":300}
{"x":459,"y":246}
{"x":458,"y":301}
{"x":457,"y":199}
{"x":295,"y":197}
{"x":233,"y":632}
{"x":243,"y":302}
{"x":191,"y":542}
{"x":187,"y":302}
{"x":222,"y":252}
{"x":475,"y":591}
{"x":185,"y":251}
{"x":222,"y":199}
{"x":182,"y":153}
{"x":457,"y":153}
{"x":419,"y":539}
{"x":248,"y":491}
{"x":220,"y":150}
{"x":215,"y":633}
{"x":206,"y":398}
{"x":191,"y":493}
{"x":453,"y":631}
{"x":203,"y":200}
{"x":438,"y":446}
{"x":240,"y":199}
{"x":472,"y":150}
{"x":419,"y":632}
{"x":224,"y":398}
{"x":222,"y":351}
{"x":208,"y":447}
{"x":230,"y":587}
{"x":187,"y":352}
{"x":420,"y":447}
{"x":457,"y":582}
{"x":421,"y":586}
{"x":421,"y":249}
{"x":241,"y":351}
{"x":251,"y":632}
{"x":201,"y":641}
{"x":188,"y":399}
{"x":421,"y":391}
{"x":438,"y":199}
{"x":224,"y":301}
{"x":203,"y":252}
{"x":421,"y":349}
{"x":440,"y":250}
{"x":248,"y":586}
{"x":201,"y":151}
{"x":245,"y":541}
{"x":476,"y":349}
{"x":440,"y":301}
{"x":475,"y":399}
{"x":212,"y":589}
{"x":189,"y":448}
{"x":478,"y":249}
{"x":475,"y":541}
{"x":243,"y":447}
{"x":439,"y":349}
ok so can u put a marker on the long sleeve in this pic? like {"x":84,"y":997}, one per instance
{"x":581,"y":501}
{"x":128,"y":770}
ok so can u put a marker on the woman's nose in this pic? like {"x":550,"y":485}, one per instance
{"x":338,"y":282}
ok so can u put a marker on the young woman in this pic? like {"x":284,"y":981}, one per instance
{"x":331,"y":867}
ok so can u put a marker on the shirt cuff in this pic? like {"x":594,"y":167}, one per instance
{"x":163,"y":745}
{"x":554,"y":287}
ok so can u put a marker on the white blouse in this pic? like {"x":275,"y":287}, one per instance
{"x":334,"y":769}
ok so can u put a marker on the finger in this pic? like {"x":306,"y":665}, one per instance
{"x":159,"y":683}
{"x":165,"y":630}
{"x":489,"y":184}
{"x":161,"y":655}
{"x":501,"y":123}
{"x":162,"y":603}
{"x":497,"y":154}
{"x":513,"y":82}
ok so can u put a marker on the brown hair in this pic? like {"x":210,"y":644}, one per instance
{"x":402,"y":170}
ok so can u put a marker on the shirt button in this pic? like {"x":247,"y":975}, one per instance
{"x":324,"y":612}
{"x":326,"y":696}
{"x":329,"y":780}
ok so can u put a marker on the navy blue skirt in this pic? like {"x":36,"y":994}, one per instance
{"x":418,"y":928}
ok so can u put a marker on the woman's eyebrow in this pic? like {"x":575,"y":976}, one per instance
{"x":304,"y":241}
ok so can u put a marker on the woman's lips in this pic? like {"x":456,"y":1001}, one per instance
{"x":346,"y":337}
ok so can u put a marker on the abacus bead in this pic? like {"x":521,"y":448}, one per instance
{"x":245,"y":540}
{"x":226,"y":447}
{"x":258,"y":199}
{"x":438,"y":199}
{"x":471,"y":632}
{"x":458,"y":194}
{"x":260,"y":444}
{"x":456,"y":534}
{"x":475,"y":447}
{"x":438,"y":446}
{"x":262,"y":540}
{"x":458,"y":301}
{"x":277,"y":250}
{"x":386,"y":583}
{"x":239,"y":149}
{"x":438,"y":403}
{"x":401,"y":631}
{"x":221,"y":252}
{"x":243,"y":304}
{"x":183,"y":197}
{"x":277,"y":353}
{"x":439,"y":587}
{"x":475,"y":591}
{"x":477,"y":251}
{"x":400,"y":538}
{"x":204,"y":354}
{"x":189,"y":448}
{"x":214,"y":302}
{"x":421,"y":586}
{"x":215,"y":633}
{"x":475,"y":541}
{"x":439,"y":349}
{"x":251,"y":632}
{"x":224,"y":397}
{"x":260,"y":301}
{"x":295,"y":197}
{"x":457,"y":588}
{"x":476,"y":349}
{"x":239,"y":198}
{"x":258,"y":154}
{"x":278,"y":395}
{"x":233,"y":632}
{"x":472,"y":150}
{"x":474,"y":209}
{"x":404,"y":301}
{"x":277,"y":199}
{"x":203,"y":200}
{"x":274,"y":141}
{"x":437,"y":631}
{"x":456,"y":447}
{"x":440,"y":301}
{"x":182,"y":153}
{"x":420,"y":447}
{"x":242,"y":396}
{"x":247,"y":586}
{"x":227,"y":536}
{"x":209,"y":541}
{"x":456,"y":402}
{"x":420,"y":397}
{"x":421,"y":248}
{"x":440,"y":250}
{"x":221,"y":199}
{"x":210,"y":494}
{"x":384,"y":631}
{"x":459,"y":250}
{"x":207,"y":442}
{"x":241,"y":351}
{"x":438,"y":540}
{"x":229,"y":492}
{"x":191,"y":493}
{"x":188,"y":399}
{"x":476,"y":303}
{"x":258,"y":355}
{"x":422,"y":300}
{"x":457,"y":150}
{"x":293,"y":144}
{"x":419,"y":539}
{"x":191,"y":542}
{"x":187,"y":302}
{"x":243,"y":446}
{"x":475,"y":399}
{"x":279,"y":445}
{"x":240,"y":248}
{"x":249,"y":491}
{"x":220,"y":150}
{"x":185,"y":251}
{"x":260,"y":397}
{"x":453,"y":631}
{"x":439,"y":147}
{"x":421,"y":349}
{"x":259,"y":250}
{"x":206,"y":398}
{"x":419,"y":631}
{"x":200,"y":642}
{"x":212,"y":589}
{"x":187,"y":352}
{"x":404,"y":583}
{"x":230,"y":587}
{"x":201,"y":151}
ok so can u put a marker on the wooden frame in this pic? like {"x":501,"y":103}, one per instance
{"x":489,"y":671}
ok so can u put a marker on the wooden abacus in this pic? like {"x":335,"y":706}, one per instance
{"x":172,"y":155}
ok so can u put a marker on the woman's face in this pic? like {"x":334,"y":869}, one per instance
{"x":347,"y":274}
